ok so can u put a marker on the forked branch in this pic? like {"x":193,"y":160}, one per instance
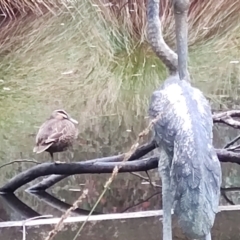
{"x":107,"y":164}
{"x":227,"y":117}
{"x":94,"y":168}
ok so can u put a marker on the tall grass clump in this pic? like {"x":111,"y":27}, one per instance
{"x":12,"y":9}
{"x":91,"y":56}
{"x":206,"y":17}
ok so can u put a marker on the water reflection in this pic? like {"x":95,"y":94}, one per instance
{"x":127,"y":192}
{"x":226,"y":227}
{"x":128,"y":195}
{"x":15,"y":208}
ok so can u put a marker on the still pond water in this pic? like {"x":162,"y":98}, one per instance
{"x":128,"y":193}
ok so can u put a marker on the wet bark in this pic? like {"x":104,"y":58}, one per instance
{"x":76,"y":168}
{"x":53,"y":179}
{"x":92,"y":167}
{"x":106,"y":165}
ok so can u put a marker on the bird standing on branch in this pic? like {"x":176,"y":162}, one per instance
{"x":56,"y":134}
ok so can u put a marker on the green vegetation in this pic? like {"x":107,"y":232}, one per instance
{"x":93,"y":61}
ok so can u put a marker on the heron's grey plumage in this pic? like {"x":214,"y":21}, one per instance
{"x":188,"y":165}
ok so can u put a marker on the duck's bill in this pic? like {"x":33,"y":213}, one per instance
{"x":73,"y":120}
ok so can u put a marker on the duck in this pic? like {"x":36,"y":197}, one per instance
{"x":56,"y":134}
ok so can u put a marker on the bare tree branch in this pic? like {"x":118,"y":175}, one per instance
{"x":141,"y":151}
{"x":19,"y":161}
{"x":106,"y":165}
{"x":232,"y":142}
{"x":230,"y":189}
{"x":76,"y":168}
{"x":96,"y":167}
{"x":53,"y":179}
{"x":228,"y":156}
{"x":227,"y":118}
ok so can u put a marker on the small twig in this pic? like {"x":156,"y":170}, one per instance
{"x":234,"y":148}
{"x":140,"y":176}
{"x":227,"y":118}
{"x":232,"y":142}
{"x":19,"y":161}
{"x":142,"y":201}
{"x":148,"y":179}
{"x":29,"y":219}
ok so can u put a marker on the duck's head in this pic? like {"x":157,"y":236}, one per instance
{"x":62,"y":114}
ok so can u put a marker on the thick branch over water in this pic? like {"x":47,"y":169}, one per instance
{"x":106,"y":165}
{"x":96,"y":167}
{"x":76,"y":168}
{"x":227,"y":118}
{"x":53,"y":179}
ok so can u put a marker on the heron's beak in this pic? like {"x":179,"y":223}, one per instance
{"x":73,"y":120}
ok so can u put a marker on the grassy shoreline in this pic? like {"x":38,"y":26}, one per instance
{"x":81,"y":61}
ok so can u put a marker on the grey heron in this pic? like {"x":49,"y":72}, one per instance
{"x":188,"y":165}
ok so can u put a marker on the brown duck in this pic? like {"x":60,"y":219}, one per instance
{"x":57,"y":133}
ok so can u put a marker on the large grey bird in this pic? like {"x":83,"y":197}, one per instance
{"x":57,"y":133}
{"x":188,"y":165}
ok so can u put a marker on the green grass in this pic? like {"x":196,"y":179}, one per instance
{"x":106,"y":68}
{"x":93,"y":68}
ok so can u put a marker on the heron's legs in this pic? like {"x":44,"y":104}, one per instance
{"x":167,"y":200}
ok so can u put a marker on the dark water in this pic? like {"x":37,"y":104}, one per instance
{"x":128,"y":193}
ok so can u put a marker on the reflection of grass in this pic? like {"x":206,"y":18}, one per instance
{"x":79,"y":61}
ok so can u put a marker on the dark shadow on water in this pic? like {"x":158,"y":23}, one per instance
{"x":226,"y":227}
{"x":15,"y":208}
{"x":12,"y":209}
{"x":60,"y":205}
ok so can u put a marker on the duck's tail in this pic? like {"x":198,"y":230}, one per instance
{"x":42,"y":148}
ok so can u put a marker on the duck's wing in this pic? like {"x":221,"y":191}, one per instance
{"x":41,"y":148}
{"x":48,"y":134}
